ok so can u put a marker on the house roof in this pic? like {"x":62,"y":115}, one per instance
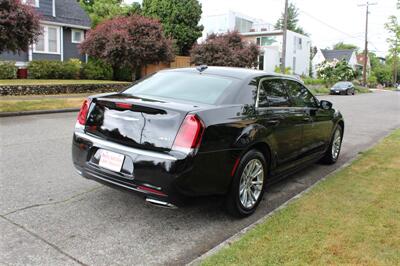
{"x":69,"y":12}
{"x":337,"y":54}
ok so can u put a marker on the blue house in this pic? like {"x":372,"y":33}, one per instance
{"x":64,"y":24}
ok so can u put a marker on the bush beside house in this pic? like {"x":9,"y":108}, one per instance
{"x":8,"y":70}
{"x":71,"y":69}
{"x":334,"y":71}
{"x":19,"y":90}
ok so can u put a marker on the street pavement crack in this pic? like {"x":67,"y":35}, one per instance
{"x":52,"y":203}
{"x":43,"y":240}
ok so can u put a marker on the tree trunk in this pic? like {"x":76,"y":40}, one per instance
{"x":134,"y":70}
{"x":114,"y":74}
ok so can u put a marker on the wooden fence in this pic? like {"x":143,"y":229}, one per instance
{"x":179,"y":62}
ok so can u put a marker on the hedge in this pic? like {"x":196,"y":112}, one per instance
{"x":8,"y":70}
{"x":71,"y":69}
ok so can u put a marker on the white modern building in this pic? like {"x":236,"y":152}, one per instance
{"x":268,"y":39}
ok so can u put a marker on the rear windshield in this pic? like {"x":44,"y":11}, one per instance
{"x":341,"y":84}
{"x":192,"y":87}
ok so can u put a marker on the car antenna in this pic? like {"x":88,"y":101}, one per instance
{"x":201,"y":68}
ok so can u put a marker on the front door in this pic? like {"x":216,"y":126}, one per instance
{"x":318,"y":123}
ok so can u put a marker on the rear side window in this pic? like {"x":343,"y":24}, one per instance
{"x":272,"y":94}
{"x":192,"y":87}
{"x":299,"y":94}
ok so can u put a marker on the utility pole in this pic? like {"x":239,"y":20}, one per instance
{"x":365,"y":60}
{"x":395,"y":63}
{"x":285,"y":22}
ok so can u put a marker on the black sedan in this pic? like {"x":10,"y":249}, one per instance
{"x":343,"y":87}
{"x":205,"y":131}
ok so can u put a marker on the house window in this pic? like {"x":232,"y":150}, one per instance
{"x":265,"y":41}
{"x":48,"y":41}
{"x":31,"y":2}
{"x":77,"y":36}
{"x":299,"y":43}
{"x":261,"y":62}
{"x":243,"y":25}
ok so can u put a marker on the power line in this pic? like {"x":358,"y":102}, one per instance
{"x":330,"y":26}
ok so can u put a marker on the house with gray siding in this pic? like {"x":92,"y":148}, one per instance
{"x":64,"y":24}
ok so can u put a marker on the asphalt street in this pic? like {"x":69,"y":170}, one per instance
{"x":49,"y":215}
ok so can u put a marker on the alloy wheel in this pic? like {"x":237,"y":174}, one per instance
{"x":337,"y":141}
{"x":251,"y":183}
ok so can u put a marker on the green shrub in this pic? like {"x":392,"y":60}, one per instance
{"x":356,"y":82}
{"x":360,"y":89}
{"x":288,"y":70}
{"x":319,"y":90}
{"x":312,"y":81}
{"x":97,"y":69}
{"x":123,"y":74}
{"x":8,"y":70}
{"x":45,"y":69}
{"x":71,"y":69}
{"x":372,"y":81}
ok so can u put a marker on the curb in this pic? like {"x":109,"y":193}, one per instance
{"x":39,"y":112}
{"x":238,"y":235}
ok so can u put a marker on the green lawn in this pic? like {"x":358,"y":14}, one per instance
{"x":351,"y":218}
{"x":319,"y":91}
{"x":56,"y":81}
{"x":13,"y":104}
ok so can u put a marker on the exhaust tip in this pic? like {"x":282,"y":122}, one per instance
{"x":161,"y":204}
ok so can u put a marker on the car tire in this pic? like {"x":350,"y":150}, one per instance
{"x":246,"y":192}
{"x":354,"y":92}
{"x":348,"y":92}
{"x":332,"y":153}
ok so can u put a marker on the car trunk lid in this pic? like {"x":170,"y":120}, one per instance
{"x":135,"y":121}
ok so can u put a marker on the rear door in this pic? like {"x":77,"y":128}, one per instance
{"x":317,"y":122}
{"x":283,"y":123}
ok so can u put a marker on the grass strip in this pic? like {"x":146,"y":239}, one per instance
{"x":40,"y":104}
{"x":351,"y":218}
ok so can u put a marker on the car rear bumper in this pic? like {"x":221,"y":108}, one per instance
{"x":154,"y":175}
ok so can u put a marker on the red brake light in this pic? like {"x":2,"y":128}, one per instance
{"x":190,"y":133}
{"x":124,"y":105}
{"x":84,"y":112}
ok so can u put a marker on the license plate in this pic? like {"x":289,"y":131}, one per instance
{"x":111,"y":160}
{"x":337,"y":91}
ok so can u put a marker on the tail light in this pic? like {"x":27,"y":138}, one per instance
{"x":84,"y":112}
{"x":189,"y":135}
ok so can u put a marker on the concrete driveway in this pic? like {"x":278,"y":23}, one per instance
{"x":51,"y":216}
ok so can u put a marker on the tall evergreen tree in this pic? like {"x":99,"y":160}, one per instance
{"x":292,"y":24}
{"x":180,"y":19}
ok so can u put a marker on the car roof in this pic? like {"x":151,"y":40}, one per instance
{"x":232,"y":72}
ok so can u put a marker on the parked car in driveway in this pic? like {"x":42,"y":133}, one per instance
{"x":343,"y":87}
{"x":205,"y":131}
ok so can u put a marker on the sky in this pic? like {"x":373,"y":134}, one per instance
{"x":327,"y":21}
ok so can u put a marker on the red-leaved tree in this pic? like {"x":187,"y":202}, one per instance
{"x":19,"y":26}
{"x":225,"y":50}
{"x":132,"y":42}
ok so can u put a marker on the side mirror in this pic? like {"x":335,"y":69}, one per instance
{"x":326,"y":105}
